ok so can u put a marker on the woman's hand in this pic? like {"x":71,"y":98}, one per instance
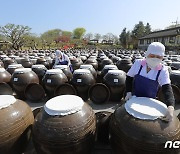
{"x":169,"y":115}
{"x":128,"y":96}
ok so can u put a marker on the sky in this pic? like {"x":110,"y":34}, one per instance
{"x":96,"y":16}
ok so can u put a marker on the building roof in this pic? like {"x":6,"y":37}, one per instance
{"x":162,"y":33}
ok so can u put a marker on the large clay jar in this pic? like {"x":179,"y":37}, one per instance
{"x":5,"y":76}
{"x":115,"y":80}
{"x":21,"y":78}
{"x":82,"y":81}
{"x":66,"y":71}
{"x":91,"y":68}
{"x":175,"y":77}
{"x":52,"y":79}
{"x":106,"y":61}
{"x":26,"y":63}
{"x":65,"y":125}
{"x":124,"y":64}
{"x":44,"y":62}
{"x":11,"y":68}
{"x":8,"y":61}
{"x":137,"y":129}
{"x":16,"y":119}
{"x":40,"y":70}
{"x":175,"y":65}
{"x":75,"y":62}
{"x":93,"y":62}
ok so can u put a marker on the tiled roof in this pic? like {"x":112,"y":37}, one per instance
{"x":163,"y":33}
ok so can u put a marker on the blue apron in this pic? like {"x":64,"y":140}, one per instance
{"x":65,"y":62}
{"x":144,"y":87}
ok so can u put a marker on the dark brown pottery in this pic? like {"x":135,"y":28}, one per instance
{"x":15,"y":126}
{"x":72,"y":133}
{"x":5,"y":76}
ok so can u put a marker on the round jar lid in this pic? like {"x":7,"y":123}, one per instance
{"x":22,"y":70}
{"x":2,"y":69}
{"x":60,"y":66}
{"x":82,"y":71}
{"x":14,"y":66}
{"x":6,"y":100}
{"x":38,"y":66}
{"x":176,"y":72}
{"x":86,"y":66}
{"x":145,"y":108}
{"x":54,"y":71}
{"x":116,"y":72}
{"x":63,"y":105}
{"x":110,"y":66}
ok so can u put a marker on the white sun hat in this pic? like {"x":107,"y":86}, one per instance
{"x":156,"y":48}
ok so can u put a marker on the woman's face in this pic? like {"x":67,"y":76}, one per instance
{"x":154,"y":56}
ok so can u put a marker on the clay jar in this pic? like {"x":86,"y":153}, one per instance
{"x":11,"y":68}
{"x":21,"y":78}
{"x":91,"y":68}
{"x":66,"y":71}
{"x":130,"y":135}
{"x":92,"y":61}
{"x":115,"y":80}
{"x":43,"y":62}
{"x":8,"y":61}
{"x":52,"y":79}
{"x":65,"y":125}
{"x":26,"y":62}
{"x":175,"y":77}
{"x":40,"y":70}
{"x":124,"y":64}
{"x":5,"y":76}
{"x":82,"y":81}
{"x":16,"y":119}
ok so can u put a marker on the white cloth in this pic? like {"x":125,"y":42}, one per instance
{"x":163,"y":77}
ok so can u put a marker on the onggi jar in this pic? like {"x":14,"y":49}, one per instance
{"x":21,"y":78}
{"x":65,"y":125}
{"x":16,"y":119}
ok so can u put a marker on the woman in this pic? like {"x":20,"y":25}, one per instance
{"x":146,"y":75}
{"x":62,"y":59}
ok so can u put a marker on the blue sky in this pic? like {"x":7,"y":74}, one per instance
{"x":96,"y":16}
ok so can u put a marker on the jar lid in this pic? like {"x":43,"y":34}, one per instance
{"x":116,"y":72}
{"x":14,"y":65}
{"x":110,"y":66}
{"x":176,"y":72}
{"x":22,"y":70}
{"x":38,"y":66}
{"x":82,"y":71}
{"x":145,"y":108}
{"x":86,"y":67}
{"x":2,"y":69}
{"x":60,"y":66}
{"x":63,"y":105}
{"x":54,"y":71}
{"x":6,"y":100}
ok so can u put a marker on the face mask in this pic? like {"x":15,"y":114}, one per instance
{"x":153,"y":62}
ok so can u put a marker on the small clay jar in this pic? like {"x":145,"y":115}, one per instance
{"x":91,"y":68}
{"x":52,"y":79}
{"x":16,"y":119}
{"x":21,"y":78}
{"x":5,"y":76}
{"x":11,"y":68}
{"x":66,"y":71}
{"x":40,"y":70}
{"x":82,"y":80}
{"x":65,"y":125}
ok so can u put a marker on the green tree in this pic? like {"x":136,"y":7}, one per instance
{"x":122,"y":38}
{"x":78,"y":33}
{"x":15,"y":34}
{"x":49,"y":37}
{"x":147,"y":29}
{"x":32,"y":41}
{"x":137,"y":32}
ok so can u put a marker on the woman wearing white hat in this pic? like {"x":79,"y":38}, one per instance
{"x":62,"y":59}
{"x":146,"y":75}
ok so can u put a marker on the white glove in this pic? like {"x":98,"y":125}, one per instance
{"x":169,"y":115}
{"x":128,"y":96}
